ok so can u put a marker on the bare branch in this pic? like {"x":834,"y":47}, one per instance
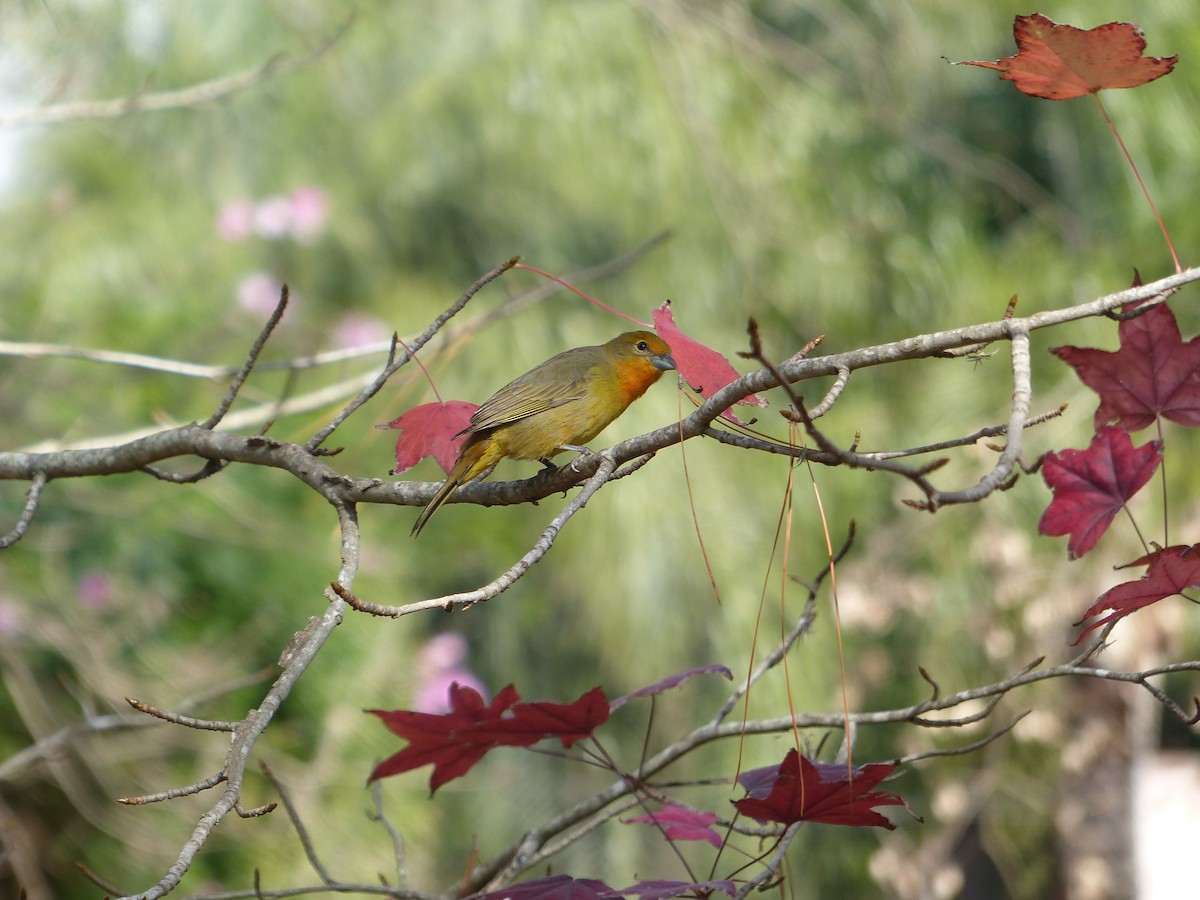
{"x":535,"y":854}
{"x":255,"y":812}
{"x":763,"y":445}
{"x":968,"y":440}
{"x":244,"y":372}
{"x":762,"y":880}
{"x":397,"y":841}
{"x":53,"y":744}
{"x":33,"y":498}
{"x":831,"y":397}
{"x":195,"y":95}
{"x":34,"y":350}
{"x":966,"y":748}
{"x":960,"y":721}
{"x":294,"y":816}
{"x":185,"y":791}
{"x":107,"y":886}
{"x":1000,"y":476}
{"x":177,"y":719}
{"x":506,"y":580}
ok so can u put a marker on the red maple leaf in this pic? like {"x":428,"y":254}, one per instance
{"x":671,"y":682}
{"x":681,"y":824}
{"x":1171,"y":571}
{"x":803,"y":791}
{"x":431,"y":429}
{"x":702,"y":367}
{"x":553,"y":887}
{"x":1154,"y":373}
{"x":1059,"y":62}
{"x":1090,"y":486}
{"x":453,"y":742}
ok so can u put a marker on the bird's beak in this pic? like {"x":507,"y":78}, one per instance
{"x":664,"y":361}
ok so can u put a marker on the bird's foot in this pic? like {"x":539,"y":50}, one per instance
{"x":584,"y":453}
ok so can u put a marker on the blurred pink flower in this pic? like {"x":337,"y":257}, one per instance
{"x":235,"y":221}
{"x":358,"y":329}
{"x":95,"y":589}
{"x":441,"y":663}
{"x":10,"y":618}
{"x":309,"y":209}
{"x":258,"y":293}
{"x":300,"y":215}
{"x":273,"y":217}
{"x":443,"y":651}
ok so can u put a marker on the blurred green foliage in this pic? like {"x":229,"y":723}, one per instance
{"x":818,"y":166}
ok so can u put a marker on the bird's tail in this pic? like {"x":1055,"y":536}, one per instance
{"x":470,"y":465}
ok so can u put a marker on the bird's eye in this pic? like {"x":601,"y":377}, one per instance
{"x":643,"y":346}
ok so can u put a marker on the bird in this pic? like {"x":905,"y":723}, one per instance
{"x":559,"y":405}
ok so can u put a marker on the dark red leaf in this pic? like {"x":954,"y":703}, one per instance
{"x":804,"y":791}
{"x":702,"y":367}
{"x":1090,"y":486}
{"x":431,"y":430}
{"x":664,"y":890}
{"x":569,"y":722}
{"x":682,"y":824}
{"x":1171,"y":571}
{"x":671,"y":681}
{"x":453,"y":742}
{"x":1059,"y":62}
{"x":553,"y":887}
{"x":1154,"y":373}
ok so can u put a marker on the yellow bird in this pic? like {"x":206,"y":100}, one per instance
{"x":559,"y":405}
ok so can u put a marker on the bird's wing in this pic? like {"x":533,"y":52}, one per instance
{"x":527,"y":396}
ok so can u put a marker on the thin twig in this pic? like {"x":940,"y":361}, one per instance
{"x":508,"y":578}
{"x":185,"y":791}
{"x":107,"y":886}
{"x":536,"y":855}
{"x":255,"y":812}
{"x":967,"y":440}
{"x":251,"y":358}
{"x":195,"y":95}
{"x":294,"y":816}
{"x":845,"y":456}
{"x":412,"y":347}
{"x":178,"y":719}
{"x":397,"y":840}
{"x":1003,"y":473}
{"x":960,"y":721}
{"x":800,"y":627}
{"x":770,"y":871}
{"x":36,"y":350}
{"x":965,"y":748}
{"x":832,"y":395}
{"x":52,"y":744}
{"x":209,"y":469}
{"x":32,"y":499}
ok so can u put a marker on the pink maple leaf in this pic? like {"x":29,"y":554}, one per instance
{"x":432,"y":429}
{"x":702,"y":367}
